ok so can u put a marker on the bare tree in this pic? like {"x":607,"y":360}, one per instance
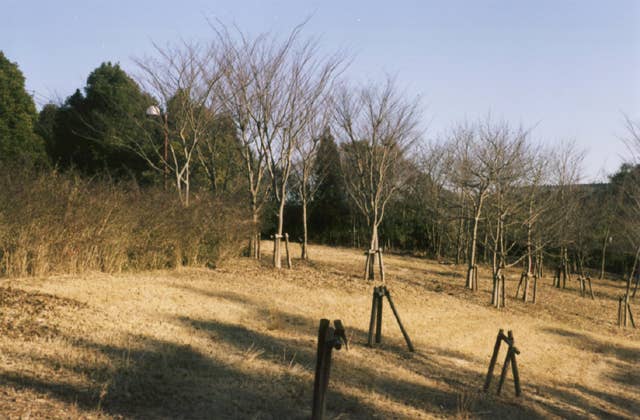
{"x":308,"y":177}
{"x":377,"y":127}
{"x":630,"y":203}
{"x":433,"y":164}
{"x":486,"y":156}
{"x":272,"y":90}
{"x":182,"y":79}
{"x":566,"y":168}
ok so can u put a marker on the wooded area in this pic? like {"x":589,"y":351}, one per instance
{"x":268,"y":127}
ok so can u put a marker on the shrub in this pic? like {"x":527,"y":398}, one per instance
{"x":53,"y":223}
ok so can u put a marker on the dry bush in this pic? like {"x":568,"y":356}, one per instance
{"x":61,"y":223}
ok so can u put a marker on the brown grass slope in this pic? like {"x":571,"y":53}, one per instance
{"x":239,"y":342}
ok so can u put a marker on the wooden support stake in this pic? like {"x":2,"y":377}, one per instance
{"x":395,"y":312}
{"x":258,"y":252}
{"x":379,"y":318}
{"x":514,"y":365}
{"x":286,"y":246}
{"x":505,"y":367}
{"x":475,"y":278}
{"x":366,"y":266}
{"x":329,"y":338}
{"x":494,"y":358}
{"x":319,"y":385}
{"x":504,"y":300}
{"x":535,"y":287}
{"x":381,"y":264}
{"x":620,"y":311}
{"x":590,"y":289}
{"x":510,"y":359}
{"x":374,"y":312}
{"x":519,"y":285}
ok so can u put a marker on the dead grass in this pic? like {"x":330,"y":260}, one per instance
{"x":239,"y":342}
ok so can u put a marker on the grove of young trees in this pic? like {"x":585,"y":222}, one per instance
{"x":269,"y":125}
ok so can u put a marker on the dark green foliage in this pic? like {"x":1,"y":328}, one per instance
{"x":46,"y":124}
{"x":221,"y":167}
{"x":93,"y":132}
{"x":330,"y":214}
{"x":17,"y":118}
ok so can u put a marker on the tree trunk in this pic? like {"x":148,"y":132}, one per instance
{"x":277,"y":257}
{"x":254,"y":242}
{"x":305,"y":254}
{"x":605,"y":242}
{"x":474,"y":239}
{"x":373,"y":246}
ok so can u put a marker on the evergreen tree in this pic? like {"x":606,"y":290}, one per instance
{"x":92,"y":132}
{"x":330,"y":215}
{"x":17,"y":117}
{"x":45,"y":126}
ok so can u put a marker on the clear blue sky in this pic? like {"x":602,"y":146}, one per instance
{"x":571,"y":67}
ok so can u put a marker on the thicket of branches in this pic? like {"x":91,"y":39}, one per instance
{"x":265,"y":129}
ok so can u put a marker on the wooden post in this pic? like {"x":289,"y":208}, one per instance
{"x":504,"y":300}
{"x":494,"y":299}
{"x":620,"y":311}
{"x":286,"y":245}
{"x":590,"y":288}
{"x":366,"y":266}
{"x":475,"y":278}
{"x":329,"y":338}
{"x":626,"y":306}
{"x":494,"y":358}
{"x":258,"y":252}
{"x":319,"y":385}
{"x":374,"y":311}
{"x":379,"y":317}
{"x":525,"y":294}
{"x":505,"y":367}
{"x":372,"y":261}
{"x":510,"y":359}
{"x":381,"y":264}
{"x":395,"y":312}
{"x":519,"y":285}
{"x":535,"y":287}
{"x":514,"y":365}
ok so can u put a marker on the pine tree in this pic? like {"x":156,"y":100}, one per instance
{"x":330,"y":212}
{"x":18,"y":142}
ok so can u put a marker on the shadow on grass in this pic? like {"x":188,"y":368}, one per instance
{"x":153,"y":378}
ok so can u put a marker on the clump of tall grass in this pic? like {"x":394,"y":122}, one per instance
{"x":53,"y":223}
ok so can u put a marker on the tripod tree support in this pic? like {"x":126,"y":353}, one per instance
{"x":472,"y":276}
{"x":524,"y":280}
{"x":510,"y":360}
{"x":286,"y":247}
{"x":498,"y":297}
{"x":329,"y":338}
{"x":375,"y":322}
{"x":624,"y":312}
{"x":369,"y":265}
{"x":584,"y":281}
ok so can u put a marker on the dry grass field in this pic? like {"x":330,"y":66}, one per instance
{"x":239,"y":342}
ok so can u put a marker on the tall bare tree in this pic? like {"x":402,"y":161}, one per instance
{"x":308,"y":176}
{"x":272,"y":90}
{"x":566,"y":174}
{"x":182,"y":79}
{"x":377,"y":127}
{"x":485,"y":156}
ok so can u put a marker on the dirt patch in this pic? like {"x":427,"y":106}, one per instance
{"x":27,"y":315}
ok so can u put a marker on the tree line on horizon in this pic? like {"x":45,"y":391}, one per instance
{"x":268,"y":126}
